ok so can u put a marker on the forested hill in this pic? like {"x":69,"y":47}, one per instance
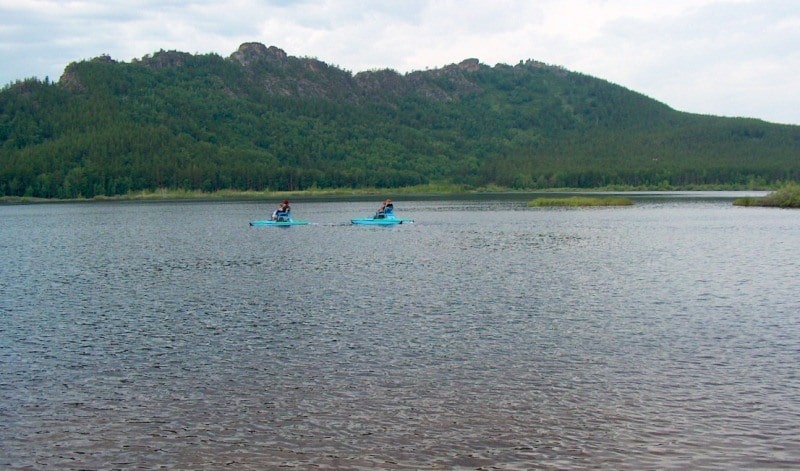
{"x":261,"y":119}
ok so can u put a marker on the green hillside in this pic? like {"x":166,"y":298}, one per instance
{"x":262,"y":120}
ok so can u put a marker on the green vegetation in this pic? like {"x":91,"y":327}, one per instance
{"x":179,"y":194}
{"x":786,"y":197}
{"x":574,"y":201}
{"x":261,"y":121}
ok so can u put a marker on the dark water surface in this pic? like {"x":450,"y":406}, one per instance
{"x":486,"y":335}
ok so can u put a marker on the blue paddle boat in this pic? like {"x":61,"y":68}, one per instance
{"x":281,"y":219}
{"x":384,"y":217}
{"x":290,"y":222}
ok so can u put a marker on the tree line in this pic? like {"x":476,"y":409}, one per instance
{"x":208,"y":123}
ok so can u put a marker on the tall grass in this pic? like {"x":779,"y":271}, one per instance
{"x":786,"y":197}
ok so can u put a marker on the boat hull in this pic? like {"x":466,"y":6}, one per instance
{"x":278,"y":223}
{"x":387,"y":221}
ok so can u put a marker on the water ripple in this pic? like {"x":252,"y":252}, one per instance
{"x":486,"y":336}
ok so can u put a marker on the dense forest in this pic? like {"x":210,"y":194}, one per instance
{"x":262,"y":120}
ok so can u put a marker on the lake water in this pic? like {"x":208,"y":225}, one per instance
{"x":485,"y":335}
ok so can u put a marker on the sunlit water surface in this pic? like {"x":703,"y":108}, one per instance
{"x":485,"y":335}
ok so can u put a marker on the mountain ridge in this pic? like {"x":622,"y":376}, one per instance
{"x":263,"y":119}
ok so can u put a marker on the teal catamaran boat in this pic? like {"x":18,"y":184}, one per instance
{"x":385,"y":217}
{"x":281,"y":219}
{"x":286,"y":222}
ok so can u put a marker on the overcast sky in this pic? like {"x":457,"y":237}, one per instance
{"x":720,"y":57}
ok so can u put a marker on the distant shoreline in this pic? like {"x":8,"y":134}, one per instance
{"x":425,"y":191}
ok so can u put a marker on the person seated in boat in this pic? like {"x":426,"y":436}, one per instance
{"x":386,"y":209}
{"x":282,"y":213}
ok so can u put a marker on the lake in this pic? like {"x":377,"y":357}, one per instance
{"x":486,"y":335}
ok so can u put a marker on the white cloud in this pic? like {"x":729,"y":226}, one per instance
{"x":725,"y":57}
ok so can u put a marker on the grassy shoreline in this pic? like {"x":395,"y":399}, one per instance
{"x":786,"y":197}
{"x":233,"y":195}
{"x":314,"y":193}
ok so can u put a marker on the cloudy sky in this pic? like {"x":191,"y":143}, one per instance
{"x":720,"y":57}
